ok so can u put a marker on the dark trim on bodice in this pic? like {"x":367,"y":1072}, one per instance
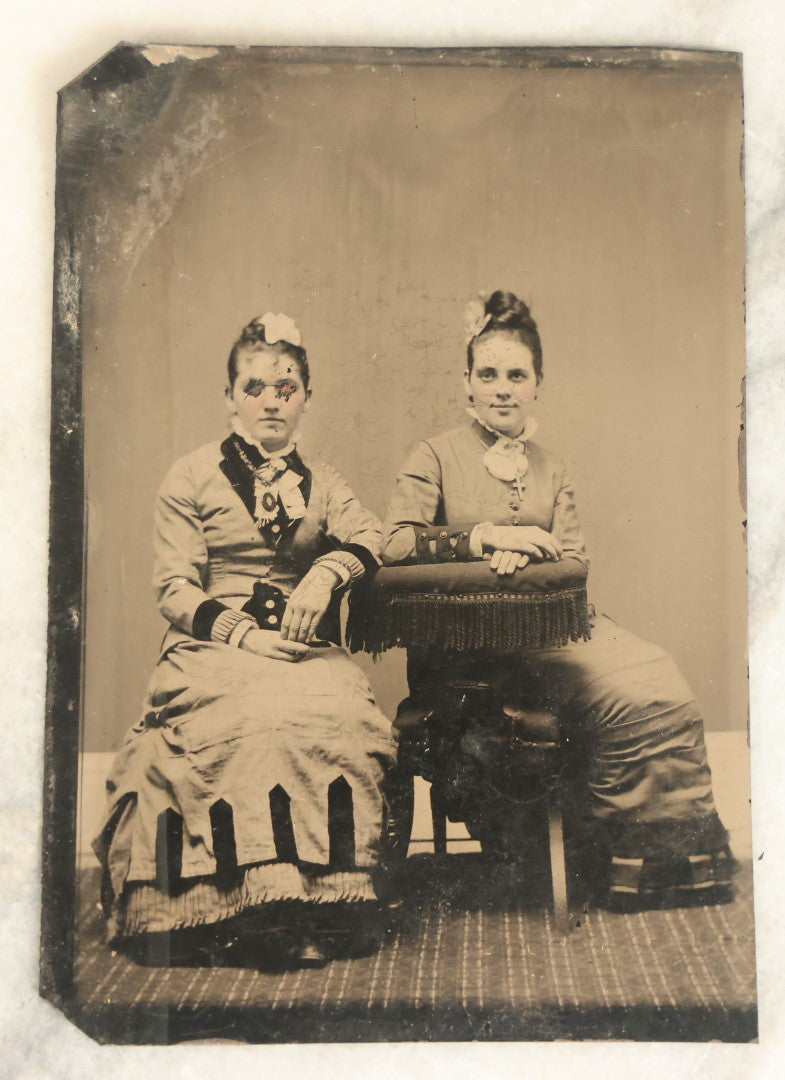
{"x":241,"y":478}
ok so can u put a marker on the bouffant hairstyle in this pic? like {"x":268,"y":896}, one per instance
{"x":510,"y":315}
{"x":252,"y":337}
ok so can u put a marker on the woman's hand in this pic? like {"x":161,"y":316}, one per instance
{"x":307,"y":604}
{"x":507,"y":562}
{"x":269,"y":643}
{"x":528,"y":540}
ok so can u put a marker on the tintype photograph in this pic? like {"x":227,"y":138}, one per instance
{"x":397,"y":653}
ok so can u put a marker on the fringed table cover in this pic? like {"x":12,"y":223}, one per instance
{"x":465,"y":607}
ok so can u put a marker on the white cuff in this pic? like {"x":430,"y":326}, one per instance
{"x":477,"y":537}
{"x":340,"y":572}
{"x":227,"y":622}
{"x":239,"y":632}
{"x":347,"y":566}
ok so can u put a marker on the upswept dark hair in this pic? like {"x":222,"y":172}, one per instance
{"x":252,"y":336}
{"x":509,"y":314}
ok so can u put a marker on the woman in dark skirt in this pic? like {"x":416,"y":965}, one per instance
{"x":492,"y":492}
{"x":248,"y":798}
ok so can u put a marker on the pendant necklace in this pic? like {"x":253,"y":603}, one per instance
{"x":265,"y":476}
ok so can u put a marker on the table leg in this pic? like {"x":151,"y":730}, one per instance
{"x":439,"y":819}
{"x":558,"y":866}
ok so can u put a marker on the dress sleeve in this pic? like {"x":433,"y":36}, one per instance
{"x":565,"y":526}
{"x":355,"y":530}
{"x":181,"y":562}
{"x":412,"y":529}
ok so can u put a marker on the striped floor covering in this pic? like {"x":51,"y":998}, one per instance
{"x":463,"y":962}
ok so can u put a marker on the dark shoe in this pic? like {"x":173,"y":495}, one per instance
{"x":353,"y":945}
{"x":660,"y":899}
{"x":663,"y":881}
{"x":310,"y":955}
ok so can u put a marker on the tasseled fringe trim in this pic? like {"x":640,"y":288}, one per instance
{"x":466,"y":622}
{"x":144,"y":908}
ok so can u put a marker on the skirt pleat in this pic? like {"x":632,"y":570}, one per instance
{"x":233,"y":775}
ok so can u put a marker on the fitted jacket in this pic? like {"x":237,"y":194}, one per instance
{"x":209,"y":552}
{"x":445,"y":483}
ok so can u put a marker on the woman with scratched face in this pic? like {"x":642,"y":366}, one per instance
{"x":245,"y":807}
{"x":490,"y":491}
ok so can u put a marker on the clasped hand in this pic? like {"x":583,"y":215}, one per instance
{"x":304,"y":611}
{"x":270,"y":644}
{"x":514,"y":546}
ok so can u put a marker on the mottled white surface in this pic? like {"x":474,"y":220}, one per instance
{"x":45,"y":47}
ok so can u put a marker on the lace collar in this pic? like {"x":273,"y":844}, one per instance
{"x":506,"y":459}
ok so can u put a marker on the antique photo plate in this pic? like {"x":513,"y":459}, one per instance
{"x":371,"y":193}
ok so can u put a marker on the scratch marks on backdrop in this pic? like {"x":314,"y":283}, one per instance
{"x":436,"y":348}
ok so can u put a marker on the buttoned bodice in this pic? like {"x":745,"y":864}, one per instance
{"x":445,"y":481}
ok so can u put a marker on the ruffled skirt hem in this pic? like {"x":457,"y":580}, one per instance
{"x":145,"y":908}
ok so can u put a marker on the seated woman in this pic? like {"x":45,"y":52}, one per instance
{"x":501,"y":496}
{"x":248,"y":798}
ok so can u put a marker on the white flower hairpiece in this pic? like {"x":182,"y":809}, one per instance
{"x":279,"y":327}
{"x":475,"y":318}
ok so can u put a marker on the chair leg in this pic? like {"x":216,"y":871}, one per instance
{"x":558,"y":866}
{"x":400,"y":803}
{"x":439,"y":819}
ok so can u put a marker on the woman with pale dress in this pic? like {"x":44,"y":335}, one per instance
{"x":246,"y":806}
{"x":490,"y":490}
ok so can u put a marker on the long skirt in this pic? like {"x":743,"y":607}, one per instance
{"x":247,"y":781}
{"x":650,"y":803}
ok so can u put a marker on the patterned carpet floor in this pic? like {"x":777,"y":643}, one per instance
{"x":471,"y":957}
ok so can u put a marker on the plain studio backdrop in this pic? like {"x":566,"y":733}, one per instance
{"x":370,"y":200}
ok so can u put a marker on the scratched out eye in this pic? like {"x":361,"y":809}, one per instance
{"x":286,"y":389}
{"x":253,"y":389}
